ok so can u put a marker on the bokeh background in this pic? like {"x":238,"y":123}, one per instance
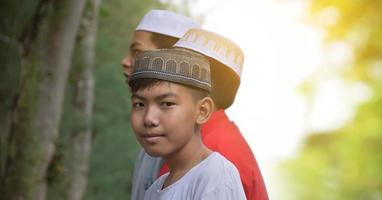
{"x":309,"y":104}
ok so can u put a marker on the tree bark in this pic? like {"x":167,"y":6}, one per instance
{"x":71,"y":182}
{"x":37,"y":114}
{"x":14,"y":18}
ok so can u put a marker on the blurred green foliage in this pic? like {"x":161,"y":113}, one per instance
{"x":346,"y":163}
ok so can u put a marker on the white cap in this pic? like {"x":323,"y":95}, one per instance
{"x":226,"y":73}
{"x":166,"y":23}
{"x":215,"y":46}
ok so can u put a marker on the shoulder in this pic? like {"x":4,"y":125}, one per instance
{"x":214,"y":170}
{"x":219,"y":171}
{"x":223,"y":168}
{"x":226,"y":138}
{"x":223,"y":180}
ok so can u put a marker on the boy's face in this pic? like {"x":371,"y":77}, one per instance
{"x":141,"y":42}
{"x":163,"y":118}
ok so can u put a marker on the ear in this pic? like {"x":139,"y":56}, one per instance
{"x":204,"y":110}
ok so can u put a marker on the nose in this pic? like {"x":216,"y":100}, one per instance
{"x":127,"y":65}
{"x":151,"y":118}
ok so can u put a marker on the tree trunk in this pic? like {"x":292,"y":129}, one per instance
{"x":37,"y":114}
{"x":81,"y":132}
{"x":71,"y":182}
{"x":14,"y":17}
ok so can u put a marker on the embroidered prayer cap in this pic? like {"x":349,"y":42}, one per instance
{"x":226,"y":62}
{"x":166,"y":23}
{"x":175,"y":65}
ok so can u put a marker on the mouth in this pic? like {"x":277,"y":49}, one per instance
{"x":152,"y":138}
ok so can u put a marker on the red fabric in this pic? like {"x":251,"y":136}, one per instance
{"x":221,"y":135}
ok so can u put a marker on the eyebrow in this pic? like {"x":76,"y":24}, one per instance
{"x":133,"y":45}
{"x":160,"y":97}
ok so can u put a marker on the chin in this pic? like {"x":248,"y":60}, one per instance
{"x":155,"y":153}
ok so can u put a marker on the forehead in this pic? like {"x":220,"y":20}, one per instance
{"x":164,"y":88}
{"x":143,"y":38}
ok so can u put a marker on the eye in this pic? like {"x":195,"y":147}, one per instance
{"x":137,"y":105}
{"x":134,"y":52}
{"x":167,"y":104}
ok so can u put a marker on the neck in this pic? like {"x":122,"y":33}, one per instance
{"x":187,"y":157}
{"x":183,"y":160}
{"x":214,"y":107}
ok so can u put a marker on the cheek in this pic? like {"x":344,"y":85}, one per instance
{"x":181,"y":122}
{"x":135,"y":121}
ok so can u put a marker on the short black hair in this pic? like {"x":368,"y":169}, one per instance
{"x":146,"y":83}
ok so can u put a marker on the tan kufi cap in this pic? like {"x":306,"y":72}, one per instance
{"x":175,"y":65}
{"x":226,"y":62}
{"x":166,"y":23}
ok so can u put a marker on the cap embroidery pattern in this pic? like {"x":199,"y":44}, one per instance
{"x":222,"y":49}
{"x":175,"y":65}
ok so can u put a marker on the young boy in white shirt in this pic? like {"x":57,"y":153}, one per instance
{"x":160,"y":29}
{"x":170,"y":100}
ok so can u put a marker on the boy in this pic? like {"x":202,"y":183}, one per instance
{"x":170,"y":100}
{"x":158,"y":29}
{"x":162,"y":29}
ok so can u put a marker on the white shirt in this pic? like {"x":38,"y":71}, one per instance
{"x":213,"y":178}
{"x":146,"y":171}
